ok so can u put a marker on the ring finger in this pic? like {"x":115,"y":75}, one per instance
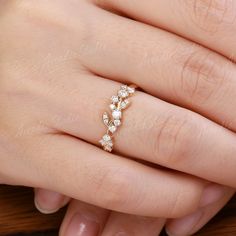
{"x":152,"y":130}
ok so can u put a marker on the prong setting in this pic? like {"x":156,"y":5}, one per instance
{"x":119,"y":102}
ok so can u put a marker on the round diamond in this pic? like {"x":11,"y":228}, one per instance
{"x":115,"y":99}
{"x":124,"y":87}
{"x":117,"y":122}
{"x":123,"y":93}
{"x":116,"y":114}
{"x":106,"y":138}
{"x":112,"y":106}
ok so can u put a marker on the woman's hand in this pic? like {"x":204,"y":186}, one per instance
{"x":51,"y":108}
{"x":91,"y":220}
{"x":56,"y":57}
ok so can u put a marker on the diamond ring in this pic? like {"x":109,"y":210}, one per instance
{"x":119,"y":102}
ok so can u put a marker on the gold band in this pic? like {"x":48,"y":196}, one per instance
{"x":119,"y":102}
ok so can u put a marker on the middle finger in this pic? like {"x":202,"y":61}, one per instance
{"x":163,"y":64}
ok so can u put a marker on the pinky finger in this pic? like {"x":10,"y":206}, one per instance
{"x":190,"y":224}
{"x":48,"y":202}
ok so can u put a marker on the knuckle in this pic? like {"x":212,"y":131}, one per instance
{"x":174,"y":140}
{"x":209,"y":15}
{"x":113,"y":189}
{"x":201,"y":76}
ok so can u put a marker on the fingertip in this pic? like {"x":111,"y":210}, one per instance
{"x":49,"y":202}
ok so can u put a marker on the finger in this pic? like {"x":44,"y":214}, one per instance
{"x":49,"y":202}
{"x":152,"y":130}
{"x":197,"y":20}
{"x":86,"y":173}
{"x":122,"y":224}
{"x":162,"y":64}
{"x":189,"y":225}
{"x":83,"y":220}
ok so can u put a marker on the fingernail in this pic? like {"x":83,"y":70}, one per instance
{"x":48,"y":202}
{"x":211,"y":194}
{"x":184,"y":226}
{"x":82,"y":226}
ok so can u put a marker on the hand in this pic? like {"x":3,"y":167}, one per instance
{"x":84,"y":218}
{"x":51,"y":109}
{"x":202,"y":19}
{"x":179,"y":117}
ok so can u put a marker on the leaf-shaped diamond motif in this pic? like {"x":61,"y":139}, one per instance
{"x":124,"y":104}
{"x":112,"y":120}
{"x":112,"y":128}
{"x":131,"y":90}
{"x":105,"y":118}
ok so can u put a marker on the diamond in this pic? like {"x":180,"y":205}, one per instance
{"x":124,"y":104}
{"x":117,"y":122}
{"x":123,"y":93}
{"x":106,"y":138}
{"x":115,"y":99}
{"x":107,"y":148}
{"x":105,"y":118}
{"x":109,"y":143}
{"x":116,"y":114}
{"x":112,"y":107}
{"x":112,"y":128}
{"x":131,"y":90}
{"x":103,"y":143}
{"x":124,"y":87}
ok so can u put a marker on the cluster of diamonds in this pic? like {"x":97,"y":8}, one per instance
{"x":119,"y":102}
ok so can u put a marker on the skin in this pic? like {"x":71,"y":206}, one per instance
{"x":60,"y":64}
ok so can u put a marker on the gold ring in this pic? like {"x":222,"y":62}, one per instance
{"x":119,"y":102}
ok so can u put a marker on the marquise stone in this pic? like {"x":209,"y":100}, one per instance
{"x":112,"y":128}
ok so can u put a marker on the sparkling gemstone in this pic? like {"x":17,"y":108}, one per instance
{"x":124,"y":87}
{"x":115,"y":99}
{"x":112,"y":106}
{"x":112,"y":128}
{"x":103,"y":143}
{"x":124,"y":104}
{"x":108,"y":148}
{"x":131,"y":90}
{"x":105,"y":118}
{"x":123,"y":93}
{"x":109,"y":143}
{"x":117,"y":122}
{"x":106,"y":138}
{"x":116,"y":114}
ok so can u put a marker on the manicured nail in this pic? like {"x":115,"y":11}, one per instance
{"x":82,"y":226}
{"x":48,"y":202}
{"x":185,"y":225}
{"x":212,"y":194}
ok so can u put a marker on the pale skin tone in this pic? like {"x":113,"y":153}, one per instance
{"x":60,"y":63}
